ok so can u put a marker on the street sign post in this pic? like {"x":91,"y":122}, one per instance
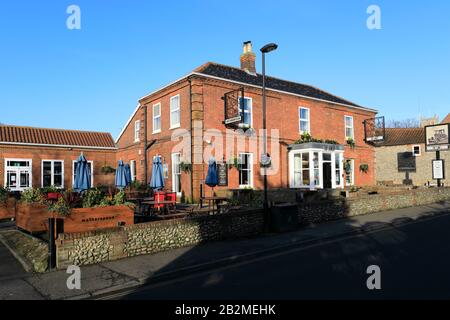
{"x":437,"y":139}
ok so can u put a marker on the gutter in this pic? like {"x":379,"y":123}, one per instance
{"x":192,"y":145}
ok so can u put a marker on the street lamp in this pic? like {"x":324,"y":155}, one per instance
{"x":266,"y":49}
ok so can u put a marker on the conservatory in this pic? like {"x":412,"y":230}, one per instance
{"x":316,"y":166}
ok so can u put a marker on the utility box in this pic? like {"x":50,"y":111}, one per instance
{"x":284,"y":217}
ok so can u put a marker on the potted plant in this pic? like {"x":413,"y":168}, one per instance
{"x":7,"y":205}
{"x":185,"y":167}
{"x":351,"y":143}
{"x":364,"y":167}
{"x":32,"y":211}
{"x":107,"y":170}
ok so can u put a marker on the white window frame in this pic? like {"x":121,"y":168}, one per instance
{"x":156,"y":117}
{"x":420,"y":150}
{"x":52,"y":161}
{"x":29,"y":168}
{"x":92,"y":172}
{"x":250,"y":111}
{"x":133,"y":165}
{"x":137,"y":130}
{"x":300,"y":119}
{"x":176,"y":154}
{"x":346,"y":127}
{"x":250,"y":185}
{"x":178,"y":109}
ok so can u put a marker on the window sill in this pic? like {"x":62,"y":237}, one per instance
{"x":156,"y":132}
{"x":175,"y":127}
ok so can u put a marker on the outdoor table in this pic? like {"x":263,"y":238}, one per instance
{"x":169,"y":205}
{"x":139,"y":202}
{"x":215,"y":201}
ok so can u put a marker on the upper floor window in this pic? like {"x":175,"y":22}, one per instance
{"x":53,"y":173}
{"x":137,"y":130}
{"x":303,"y":114}
{"x":247,"y":112}
{"x":416,"y":150}
{"x":157,"y":118}
{"x":175,"y":112}
{"x":349,"y":129}
{"x":245,"y":170}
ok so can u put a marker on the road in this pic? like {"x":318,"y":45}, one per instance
{"x":414,"y":260}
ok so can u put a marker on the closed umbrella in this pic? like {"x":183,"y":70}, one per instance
{"x":157,"y":181}
{"x":82,"y":175}
{"x":212,"y":178}
{"x":121,"y":179}
{"x":128,"y":173}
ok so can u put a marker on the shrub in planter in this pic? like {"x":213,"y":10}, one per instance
{"x":60,"y":207}
{"x":32,"y":196}
{"x":32,"y":211}
{"x":7,"y":205}
{"x":92,"y":198}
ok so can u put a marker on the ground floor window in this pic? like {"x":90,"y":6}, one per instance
{"x":245,"y":170}
{"x":349,"y":172}
{"x":91,"y":169}
{"x":18,"y":174}
{"x":53,"y":173}
{"x":315,"y":169}
{"x":176,"y":172}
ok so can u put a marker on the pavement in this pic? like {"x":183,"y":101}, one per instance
{"x":122,"y":278}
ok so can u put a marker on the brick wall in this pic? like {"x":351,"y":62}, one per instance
{"x":387,"y":168}
{"x":68,"y":155}
{"x":148,"y":238}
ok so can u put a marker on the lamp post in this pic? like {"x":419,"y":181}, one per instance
{"x":266,"y":49}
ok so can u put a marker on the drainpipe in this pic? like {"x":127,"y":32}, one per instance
{"x":145,"y":145}
{"x":190,"y":132}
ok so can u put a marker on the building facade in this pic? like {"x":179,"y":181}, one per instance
{"x":183,"y":123}
{"x":401,"y":159}
{"x":36,"y":157}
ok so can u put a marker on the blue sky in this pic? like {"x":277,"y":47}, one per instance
{"x":91,"y":78}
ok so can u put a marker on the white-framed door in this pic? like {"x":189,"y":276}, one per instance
{"x":176,"y":173}
{"x":18,"y":174}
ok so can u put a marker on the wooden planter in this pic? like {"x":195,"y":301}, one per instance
{"x":8,"y":209}
{"x":90,"y":219}
{"x":32,"y":218}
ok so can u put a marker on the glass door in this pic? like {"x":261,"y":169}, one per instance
{"x":18,"y":174}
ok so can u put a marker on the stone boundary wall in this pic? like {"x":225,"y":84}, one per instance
{"x":328,"y":210}
{"x":148,"y":238}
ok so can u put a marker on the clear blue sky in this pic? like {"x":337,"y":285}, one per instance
{"x":91,"y":78}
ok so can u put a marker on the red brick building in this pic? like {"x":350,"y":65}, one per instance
{"x":36,"y":157}
{"x":195,"y":103}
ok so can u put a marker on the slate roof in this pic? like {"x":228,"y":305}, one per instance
{"x":60,"y":137}
{"x":403,"y":136}
{"x":239,"y":75}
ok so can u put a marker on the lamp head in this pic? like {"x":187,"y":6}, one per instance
{"x":269,"y":47}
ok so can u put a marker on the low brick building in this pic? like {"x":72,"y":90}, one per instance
{"x":36,"y":157}
{"x":195,"y":103}
{"x":407,"y":146}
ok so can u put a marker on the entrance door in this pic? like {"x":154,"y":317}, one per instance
{"x":327,"y":174}
{"x":18,"y":174}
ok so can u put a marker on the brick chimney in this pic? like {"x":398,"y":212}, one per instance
{"x":248,"y":58}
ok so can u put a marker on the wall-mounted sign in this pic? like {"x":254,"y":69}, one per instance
{"x":438,"y":169}
{"x":222,"y":172}
{"x":166,"y":170}
{"x":437,"y":137}
{"x":406,"y":161}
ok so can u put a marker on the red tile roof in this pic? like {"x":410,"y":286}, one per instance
{"x":403,"y":136}
{"x":446,"y":119}
{"x":59,"y":137}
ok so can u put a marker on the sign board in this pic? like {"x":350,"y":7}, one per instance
{"x":438,"y":169}
{"x":222,"y":172}
{"x":406,"y":161}
{"x":166,"y":171}
{"x":233,"y":109}
{"x":437,"y":137}
{"x":374,"y":129}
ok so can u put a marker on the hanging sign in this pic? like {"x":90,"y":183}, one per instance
{"x":222,"y":172}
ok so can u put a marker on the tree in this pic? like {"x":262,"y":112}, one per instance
{"x":405,"y":123}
